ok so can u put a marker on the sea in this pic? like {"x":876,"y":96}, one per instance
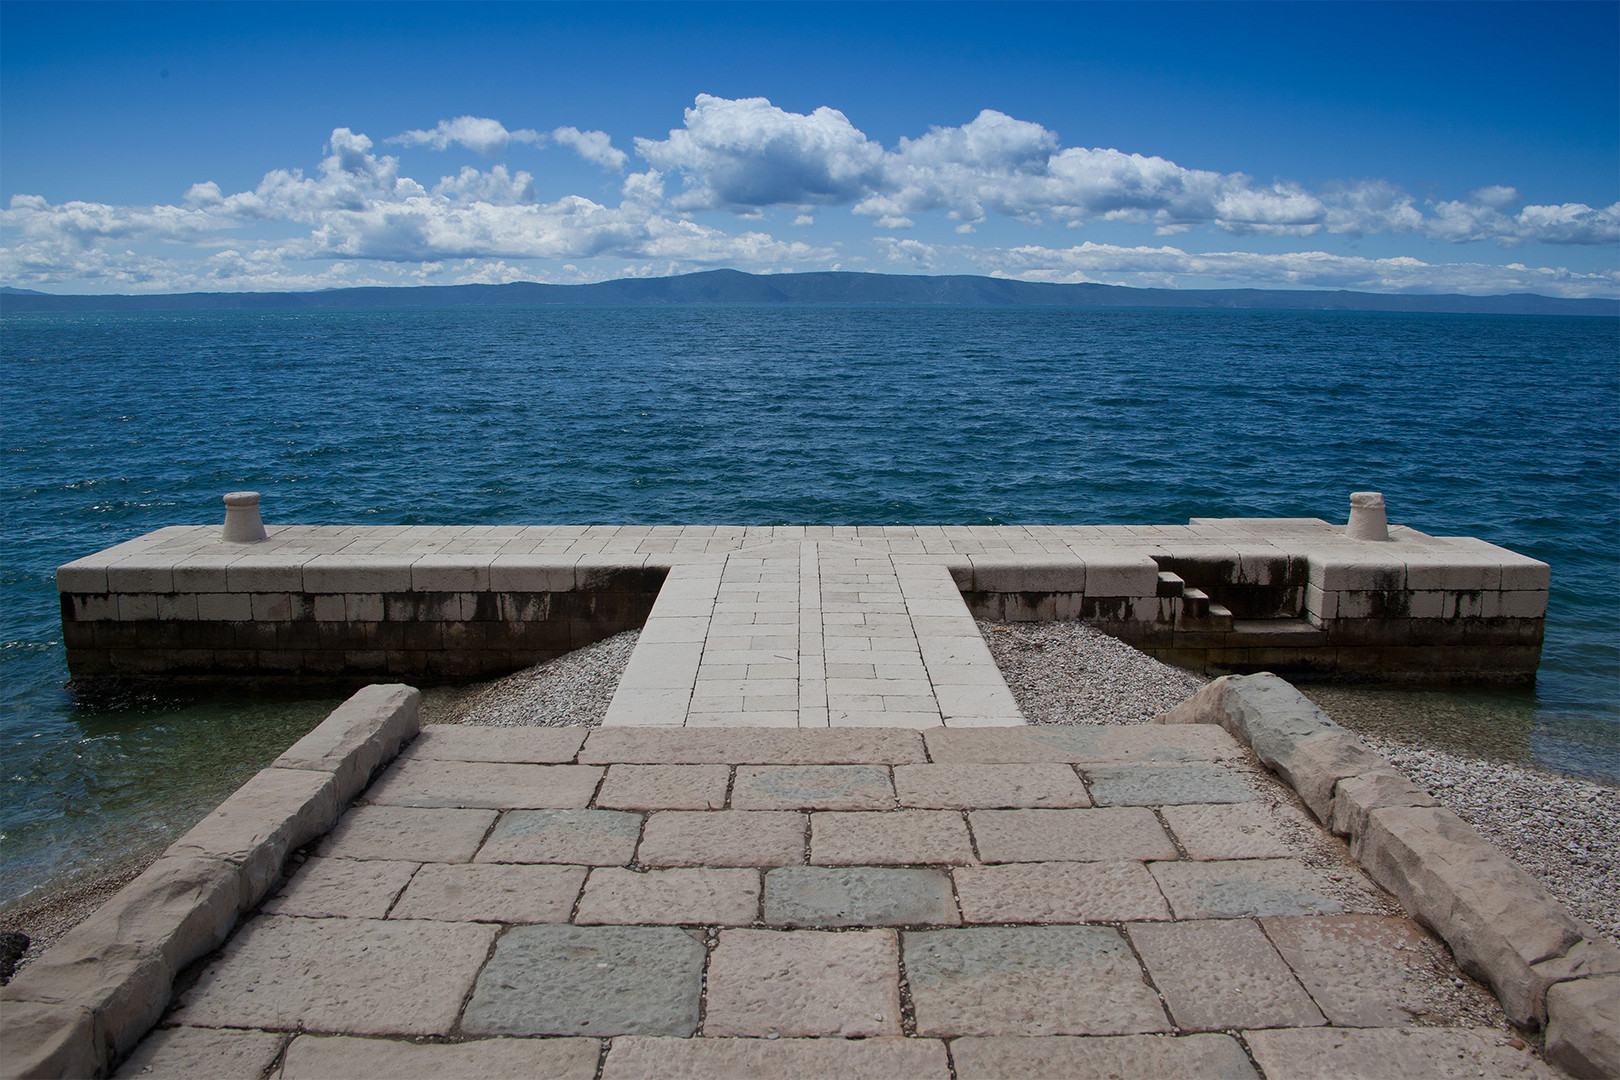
{"x":1501,"y":427}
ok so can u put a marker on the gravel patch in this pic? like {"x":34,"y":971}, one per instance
{"x":572,"y":690}
{"x":1071,"y":673}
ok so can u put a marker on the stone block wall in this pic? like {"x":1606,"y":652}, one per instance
{"x":425,"y":634}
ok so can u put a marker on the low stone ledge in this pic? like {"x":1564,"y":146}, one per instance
{"x":1546,"y":967}
{"x":1583,"y":1027}
{"x":95,"y":993}
{"x":360,"y":735}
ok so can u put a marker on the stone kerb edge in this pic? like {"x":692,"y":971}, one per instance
{"x":97,"y":991}
{"x":1501,"y":924}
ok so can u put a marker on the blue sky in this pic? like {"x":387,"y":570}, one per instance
{"x":1452,"y":147}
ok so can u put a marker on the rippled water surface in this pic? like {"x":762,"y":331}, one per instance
{"x":1507,"y":428}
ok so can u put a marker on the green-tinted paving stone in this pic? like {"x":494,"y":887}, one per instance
{"x":1166,"y":785}
{"x":1028,"y":980}
{"x":858,"y":896}
{"x":1243,"y":888}
{"x":580,"y":837}
{"x":575,"y":980}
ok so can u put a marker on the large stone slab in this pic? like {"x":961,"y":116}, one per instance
{"x":342,"y":888}
{"x":350,"y":976}
{"x":416,"y":834}
{"x":973,"y":786}
{"x":1583,"y":1026}
{"x":1391,"y":1054}
{"x":1119,"y":1057}
{"x":1240,"y":888}
{"x":1028,"y":980}
{"x":1069,"y":835}
{"x":804,"y":982}
{"x":491,"y":892}
{"x":1165,"y":785}
{"x":1244,"y":830}
{"x":1055,"y":892}
{"x":178,"y":1053}
{"x":875,"y":838}
{"x":1222,"y":974}
{"x":699,"y":896}
{"x":1096,"y":745}
{"x":581,"y":837}
{"x":858,"y":896}
{"x":886,"y":1058}
{"x":589,"y":980}
{"x":665,"y":787}
{"x":496,"y":785}
{"x":1374,"y":971}
{"x":313,"y":1057}
{"x":478,"y":742}
{"x":724,"y":838}
{"x":812,"y":787}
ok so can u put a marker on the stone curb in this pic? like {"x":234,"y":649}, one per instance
{"x":99,"y":989}
{"x":1549,"y":969}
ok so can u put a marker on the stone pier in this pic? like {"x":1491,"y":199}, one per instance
{"x":800,"y":625}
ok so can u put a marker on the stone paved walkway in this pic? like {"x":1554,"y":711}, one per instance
{"x":1133,"y":901}
{"x":811,"y":634}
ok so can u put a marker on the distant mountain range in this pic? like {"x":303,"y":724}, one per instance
{"x":736,"y":287}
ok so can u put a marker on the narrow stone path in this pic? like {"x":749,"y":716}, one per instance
{"x":811,"y":634}
{"x":636,"y":901}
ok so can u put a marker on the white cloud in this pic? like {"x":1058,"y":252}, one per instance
{"x":744,"y":154}
{"x":594,"y":146}
{"x":478,"y":134}
{"x":748,"y":154}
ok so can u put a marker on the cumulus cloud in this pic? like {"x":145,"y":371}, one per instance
{"x":478,"y":134}
{"x":746,"y":154}
{"x":594,"y":146}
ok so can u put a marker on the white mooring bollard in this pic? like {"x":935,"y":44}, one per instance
{"x":1367,"y":518}
{"x":242,"y":522}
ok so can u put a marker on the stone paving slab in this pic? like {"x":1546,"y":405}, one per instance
{"x":1238,"y":888}
{"x":883,"y":1058}
{"x":341,"y":975}
{"x":1222,"y":974}
{"x":1050,"y":980}
{"x":720,"y":940}
{"x":473,"y":742}
{"x":1391,"y":1054}
{"x":1166,"y":785}
{"x":320,"y":1057}
{"x":960,"y":787}
{"x":601,"y":981}
{"x":480,"y":892}
{"x":817,"y":896}
{"x":199,"y":1051}
{"x":487,"y":784}
{"x":805,"y":982}
{"x":1129,"y":832}
{"x":1125,"y":1057}
{"x":342,"y":888}
{"x":581,"y":837}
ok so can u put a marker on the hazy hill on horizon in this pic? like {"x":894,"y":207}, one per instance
{"x":824,"y":287}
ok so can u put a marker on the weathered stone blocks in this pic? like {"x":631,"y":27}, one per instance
{"x":804,"y":982}
{"x":858,"y":896}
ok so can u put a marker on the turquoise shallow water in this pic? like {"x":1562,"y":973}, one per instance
{"x":1507,"y":428}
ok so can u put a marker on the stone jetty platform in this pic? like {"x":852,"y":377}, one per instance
{"x":1297,"y":596}
{"x":664,"y":901}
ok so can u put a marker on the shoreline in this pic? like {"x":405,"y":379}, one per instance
{"x":1565,"y":831}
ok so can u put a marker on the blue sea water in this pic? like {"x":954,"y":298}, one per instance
{"x":1502,"y":427}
